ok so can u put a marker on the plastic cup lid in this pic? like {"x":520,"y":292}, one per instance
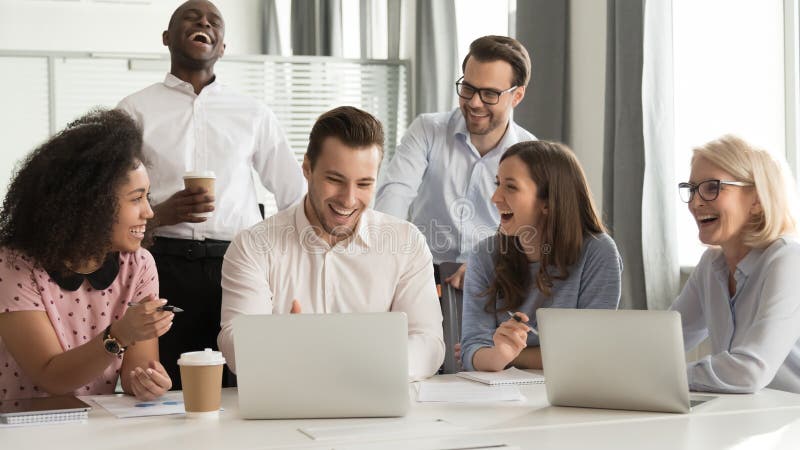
{"x":200,"y":174}
{"x":207,"y":357}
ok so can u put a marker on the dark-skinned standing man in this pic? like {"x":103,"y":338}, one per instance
{"x":193,"y":123}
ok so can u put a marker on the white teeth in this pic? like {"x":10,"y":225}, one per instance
{"x":343,"y":212}
{"x":138,"y":231}
{"x":506,"y":212}
{"x":200,"y":33}
{"x":706,"y":217}
{"x":478,"y":115}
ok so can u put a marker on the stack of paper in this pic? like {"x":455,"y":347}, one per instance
{"x":511,"y":375}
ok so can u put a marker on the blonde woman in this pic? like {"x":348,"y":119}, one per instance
{"x":742,"y":295}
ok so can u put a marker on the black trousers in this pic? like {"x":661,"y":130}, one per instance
{"x":190,"y":274}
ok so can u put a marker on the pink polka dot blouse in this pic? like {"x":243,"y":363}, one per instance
{"x":76,"y":316}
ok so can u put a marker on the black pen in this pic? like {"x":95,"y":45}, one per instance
{"x":519,"y":319}
{"x":170,"y":308}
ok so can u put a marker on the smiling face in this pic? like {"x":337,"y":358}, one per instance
{"x":483,"y":119}
{"x":196,"y":35}
{"x":133,"y":213}
{"x":721,"y":221}
{"x":522,"y":212}
{"x":340,"y":187}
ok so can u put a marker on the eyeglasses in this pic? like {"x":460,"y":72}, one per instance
{"x":707,"y":190}
{"x":488,"y":96}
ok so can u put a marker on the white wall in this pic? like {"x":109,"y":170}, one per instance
{"x":50,"y":25}
{"x":85,"y":26}
{"x":587,"y":60}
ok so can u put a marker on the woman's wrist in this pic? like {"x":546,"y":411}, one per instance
{"x":489,"y":359}
{"x":117,"y":332}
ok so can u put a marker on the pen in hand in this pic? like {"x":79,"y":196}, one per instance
{"x":170,"y":308}
{"x":519,"y":319}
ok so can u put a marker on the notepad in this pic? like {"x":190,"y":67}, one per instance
{"x":41,"y":410}
{"x":511,"y":375}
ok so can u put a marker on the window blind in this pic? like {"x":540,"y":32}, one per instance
{"x":297,"y":89}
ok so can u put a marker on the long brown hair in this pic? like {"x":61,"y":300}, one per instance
{"x":571,"y":217}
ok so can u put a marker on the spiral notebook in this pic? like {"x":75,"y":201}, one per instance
{"x":511,"y":375}
{"x":43,"y":410}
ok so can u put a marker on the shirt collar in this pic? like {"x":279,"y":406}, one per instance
{"x":308,"y":237}
{"x":171,"y":81}
{"x":750,"y":261}
{"x":744,"y":268}
{"x":100,"y":279}
{"x":509,"y":137}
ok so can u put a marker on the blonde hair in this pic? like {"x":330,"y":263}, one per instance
{"x":774,"y":186}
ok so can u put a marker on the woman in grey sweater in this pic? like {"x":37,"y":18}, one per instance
{"x":551,"y":251}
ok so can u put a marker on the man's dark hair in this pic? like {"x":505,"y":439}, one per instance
{"x":62,"y":203}
{"x":502,"y":48}
{"x":352,"y":126}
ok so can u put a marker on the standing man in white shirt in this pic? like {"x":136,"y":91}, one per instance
{"x":332,"y":253}
{"x":193,"y":123}
{"x":442,"y":174}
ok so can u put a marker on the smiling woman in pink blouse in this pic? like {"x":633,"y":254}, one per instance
{"x":71,"y":261}
{"x":743,"y":294}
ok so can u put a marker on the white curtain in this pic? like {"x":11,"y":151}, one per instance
{"x":659,"y":229}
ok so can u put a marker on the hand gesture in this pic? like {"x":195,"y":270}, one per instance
{"x":511,"y":337}
{"x":457,"y":279}
{"x":142,"y":321}
{"x":296,"y":309}
{"x":151,"y":383}
{"x":182,"y":205}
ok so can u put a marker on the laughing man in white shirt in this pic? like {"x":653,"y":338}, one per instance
{"x":192,"y":122}
{"x":332,"y":253}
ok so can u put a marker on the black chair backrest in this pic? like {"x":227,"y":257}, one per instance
{"x":451,"y":312}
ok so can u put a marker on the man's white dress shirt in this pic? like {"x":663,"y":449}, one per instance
{"x":384,"y":266}
{"x":219,"y":130}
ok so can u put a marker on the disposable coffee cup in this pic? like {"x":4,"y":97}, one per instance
{"x":204,"y":179}
{"x":201,"y":376}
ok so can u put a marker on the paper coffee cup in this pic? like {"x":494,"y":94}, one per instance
{"x":201,"y":376}
{"x":204,"y":179}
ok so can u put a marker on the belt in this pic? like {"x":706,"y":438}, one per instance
{"x":189,"y":249}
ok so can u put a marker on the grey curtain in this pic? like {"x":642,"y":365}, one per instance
{"x":394,"y":13}
{"x":543,"y":28}
{"x":317,"y":27}
{"x":436,"y":65}
{"x":624,"y":157}
{"x":270,"y":37}
{"x":659,"y":228}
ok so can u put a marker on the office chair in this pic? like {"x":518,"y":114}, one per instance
{"x":451,"y":303}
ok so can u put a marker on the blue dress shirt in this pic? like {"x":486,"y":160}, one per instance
{"x":438,"y":180}
{"x":755,"y":334}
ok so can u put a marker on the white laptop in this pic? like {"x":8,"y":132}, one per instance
{"x":322,"y":365}
{"x":609,"y":359}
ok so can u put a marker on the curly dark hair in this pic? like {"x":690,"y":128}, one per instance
{"x":62,"y":202}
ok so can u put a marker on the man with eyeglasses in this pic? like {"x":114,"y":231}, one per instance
{"x":442,"y":174}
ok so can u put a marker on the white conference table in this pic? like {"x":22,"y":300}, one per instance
{"x":768,"y":419}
